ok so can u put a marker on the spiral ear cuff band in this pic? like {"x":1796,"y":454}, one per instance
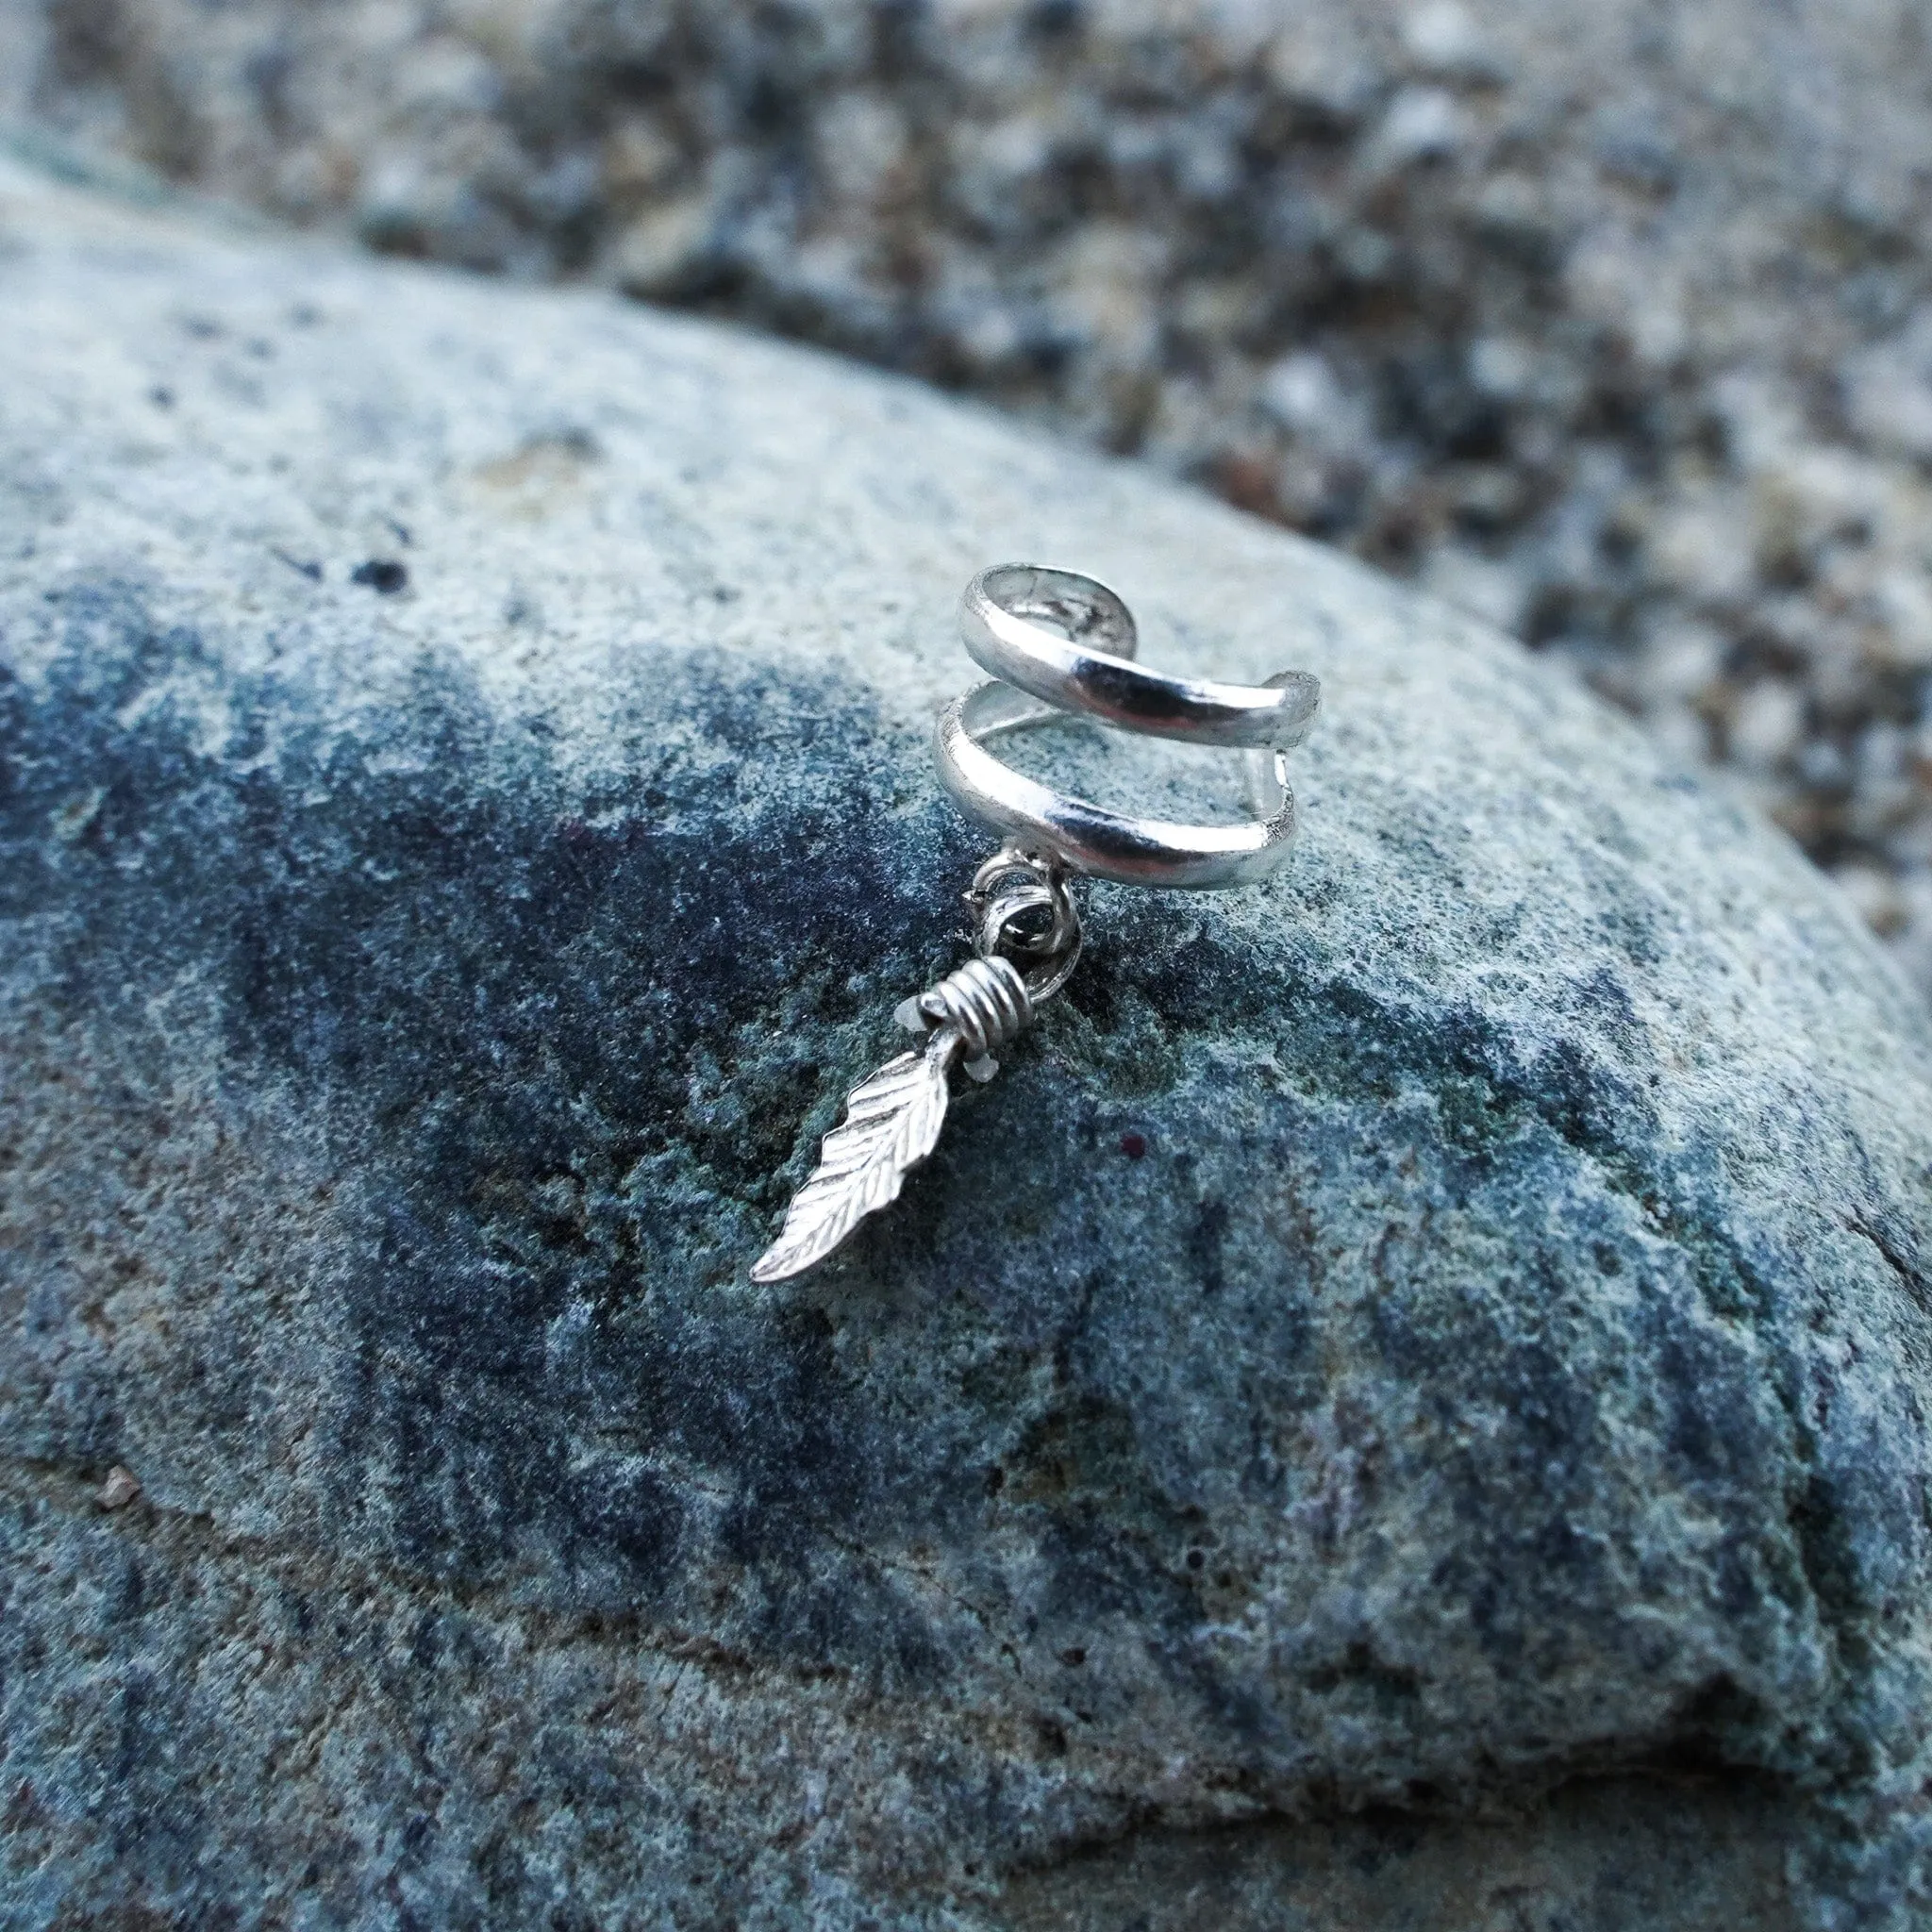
{"x":1057,"y":644}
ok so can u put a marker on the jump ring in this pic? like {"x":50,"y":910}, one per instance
{"x":1005,"y":891}
{"x":1059,"y":644}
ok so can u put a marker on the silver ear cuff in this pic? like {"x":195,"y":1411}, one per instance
{"x":1057,"y":644}
{"x":1067,"y":643}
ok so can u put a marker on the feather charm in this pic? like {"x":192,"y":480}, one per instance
{"x":892,"y":1122}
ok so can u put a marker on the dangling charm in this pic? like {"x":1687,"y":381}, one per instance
{"x":892,"y":1121}
{"x":1056,"y":642}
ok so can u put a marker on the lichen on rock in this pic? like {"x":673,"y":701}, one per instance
{"x":1412,"y":1382}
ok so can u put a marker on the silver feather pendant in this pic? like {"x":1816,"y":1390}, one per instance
{"x":892,"y":1121}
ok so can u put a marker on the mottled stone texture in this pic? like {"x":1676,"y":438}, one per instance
{"x":1405,"y":1403}
{"x":1610,"y":320}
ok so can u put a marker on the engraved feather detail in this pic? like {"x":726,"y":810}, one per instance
{"x":892,"y":1122}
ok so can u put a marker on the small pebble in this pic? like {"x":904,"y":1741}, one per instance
{"x":120,"y":1489}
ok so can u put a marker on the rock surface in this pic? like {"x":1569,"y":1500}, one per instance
{"x":1612,"y":322}
{"x":1405,"y":1402}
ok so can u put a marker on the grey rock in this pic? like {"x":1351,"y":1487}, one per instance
{"x":1615,"y":315}
{"x":1405,"y":1402}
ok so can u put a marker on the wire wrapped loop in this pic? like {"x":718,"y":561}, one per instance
{"x":1059,"y":645}
{"x":985,"y":1002}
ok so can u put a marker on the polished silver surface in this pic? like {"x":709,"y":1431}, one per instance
{"x":1060,"y":645}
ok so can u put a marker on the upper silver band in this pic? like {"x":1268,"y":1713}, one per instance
{"x":1059,"y":642}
